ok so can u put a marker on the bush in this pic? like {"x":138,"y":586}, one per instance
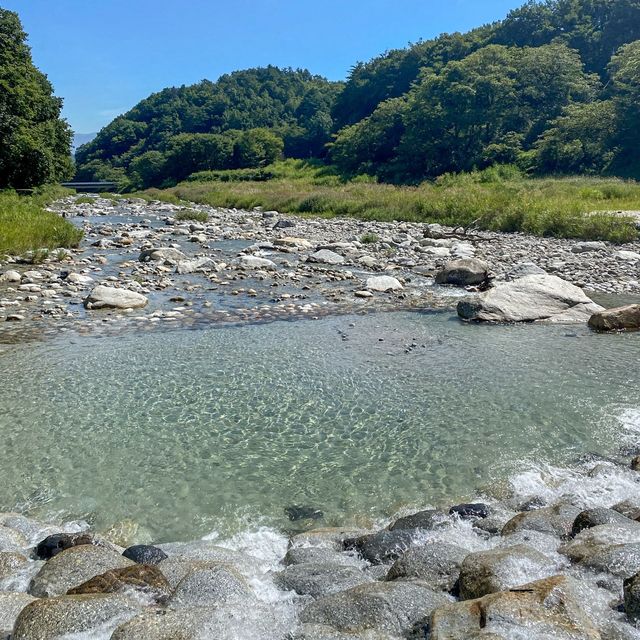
{"x":192,"y":214}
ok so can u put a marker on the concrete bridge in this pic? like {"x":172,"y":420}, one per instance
{"x":90,"y":187}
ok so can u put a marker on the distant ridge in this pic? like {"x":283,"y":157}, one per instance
{"x":81,"y":138}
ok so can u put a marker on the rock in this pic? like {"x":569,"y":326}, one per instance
{"x":383,"y":284}
{"x":145,"y":554}
{"x":326,"y":537}
{"x":391,"y":607}
{"x":10,"y":563}
{"x":11,"y":604}
{"x":635,"y":463}
{"x":207,"y":551}
{"x":622,"y":560}
{"x":463,"y":273}
{"x":102,"y":297}
{"x":325,"y":256}
{"x":429,"y":519}
{"x":255,"y":262}
{"x":318,"y":555}
{"x":383,"y":546}
{"x":78,"y":278}
{"x":557,"y":520}
{"x":10,"y":276}
{"x":594,"y":539}
{"x":595,"y":517}
{"x":72,"y":567}
{"x":588,"y":247}
{"x":145,"y":578}
{"x":523,"y":269}
{"x":628,"y":508}
{"x":530,"y":299}
{"x":201,"y":587}
{"x":324,"y":632}
{"x":467,"y":511}
{"x":319,"y":579}
{"x":631,"y":256}
{"x":304,"y":512}
{"x":54,"y":544}
{"x":284,"y":224}
{"x":363,"y":294}
{"x":201,"y":265}
{"x":12,"y":540}
{"x":632,"y":597}
{"x":14,"y":317}
{"x":499,"y":569}
{"x":618,"y":319}
{"x":546,"y":609}
{"x":53,"y":618}
{"x":162,"y":254}
{"x":292,"y":243}
{"x":437,"y":564}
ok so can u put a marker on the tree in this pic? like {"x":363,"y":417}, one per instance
{"x":35,"y":142}
{"x":257,"y":148}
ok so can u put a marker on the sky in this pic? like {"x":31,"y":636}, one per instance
{"x":104,"y":56}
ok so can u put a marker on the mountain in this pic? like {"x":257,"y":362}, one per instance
{"x":79,"y":139}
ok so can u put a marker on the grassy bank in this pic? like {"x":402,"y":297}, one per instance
{"x":25,"y":226}
{"x":498,"y":199}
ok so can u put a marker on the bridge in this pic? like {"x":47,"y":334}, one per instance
{"x":90,"y":187}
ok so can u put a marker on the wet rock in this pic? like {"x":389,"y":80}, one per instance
{"x":557,"y":520}
{"x":622,"y":560}
{"x":530,"y":299}
{"x":326,"y":537}
{"x":78,"y":278}
{"x":437,"y":564}
{"x":632,"y":597}
{"x":391,"y":607}
{"x":145,"y":578}
{"x":595,"y":517}
{"x":11,"y":604}
{"x":324,"y":632}
{"x":486,"y":572}
{"x":72,"y":567}
{"x":618,"y":319}
{"x":203,"y":550}
{"x":198,"y":265}
{"x":12,"y":540}
{"x":304,"y":512}
{"x":383,"y":284}
{"x":52,"y":618}
{"x":383,"y":546}
{"x":10,"y":276}
{"x":255,"y":262}
{"x":54,"y":544}
{"x":102,"y":297}
{"x":319,"y":579}
{"x":463,"y":273}
{"x":10,"y":563}
{"x":326,"y":256}
{"x":429,"y":519}
{"x":548,"y":608}
{"x":318,"y":555}
{"x":162,"y":254}
{"x":202,"y":587}
{"x":469,"y":511}
{"x":145,"y":554}
{"x":593,"y":540}
{"x":628,"y":508}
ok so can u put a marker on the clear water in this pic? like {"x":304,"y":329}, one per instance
{"x":186,"y":432}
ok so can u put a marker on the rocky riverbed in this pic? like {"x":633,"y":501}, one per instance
{"x":240,"y":266}
{"x":552,"y":555}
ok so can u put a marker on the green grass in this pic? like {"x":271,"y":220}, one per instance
{"x":498,"y":199}
{"x":25,"y":226}
{"x":192,"y":214}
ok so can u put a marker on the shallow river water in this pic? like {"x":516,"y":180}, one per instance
{"x":186,"y":432}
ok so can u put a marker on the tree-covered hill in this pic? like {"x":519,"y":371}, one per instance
{"x":34,"y":141}
{"x":244,"y":119}
{"x":553,"y":88}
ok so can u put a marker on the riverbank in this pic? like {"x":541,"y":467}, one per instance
{"x":260,"y":265}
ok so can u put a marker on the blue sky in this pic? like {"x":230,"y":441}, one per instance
{"x":103,"y":56}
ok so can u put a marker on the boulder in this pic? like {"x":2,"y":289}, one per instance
{"x":632,"y":598}
{"x":197,"y":265}
{"x":12,"y":540}
{"x":618,"y":319}
{"x":557,"y":520}
{"x":437,"y":564}
{"x":391,"y":607}
{"x":383,"y":284}
{"x":255,"y":262}
{"x":318,"y":555}
{"x":175,"y":570}
{"x":470,"y":511}
{"x":548,"y":608}
{"x":102,"y":297}
{"x":324,"y":632}
{"x":383,"y":546}
{"x":523,"y":269}
{"x":10,"y":276}
{"x":52,"y":618}
{"x":589,"y":247}
{"x":595,"y":517}
{"x":325,"y":537}
{"x":326,"y":256}
{"x":72,"y":567}
{"x":162,"y":254}
{"x":594,"y":539}
{"x":202,"y":587}
{"x":78,"y":278}
{"x":319,"y":579}
{"x":54,"y":544}
{"x":621,"y":560}
{"x":499,"y":569}
{"x":145,"y":578}
{"x":11,"y":604}
{"x":530,"y":299}
{"x":464,"y":273}
{"x":10,"y":563}
{"x":429,"y":519}
{"x":145,"y":554}
{"x":208,"y":551}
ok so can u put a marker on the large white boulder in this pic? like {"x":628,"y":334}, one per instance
{"x":102,"y":297}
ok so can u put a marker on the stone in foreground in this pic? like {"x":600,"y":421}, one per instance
{"x":464,"y":273}
{"x":383,"y":284}
{"x":111,"y":298}
{"x":531,"y":299}
{"x":618,"y":319}
{"x":544,"y":609}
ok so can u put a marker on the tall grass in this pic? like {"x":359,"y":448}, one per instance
{"x":497,"y":199}
{"x":25,"y":226}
